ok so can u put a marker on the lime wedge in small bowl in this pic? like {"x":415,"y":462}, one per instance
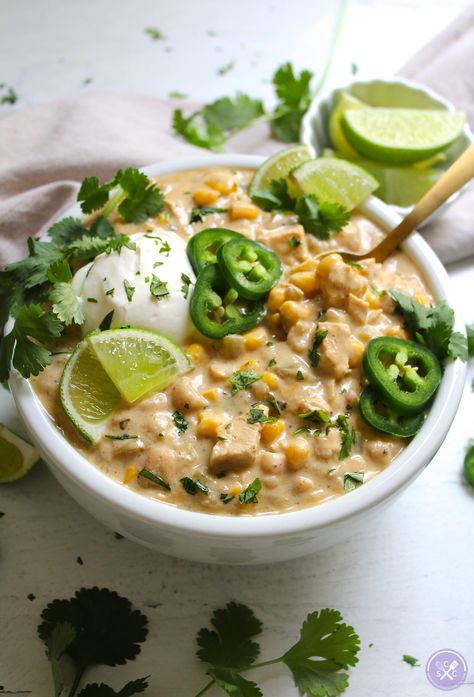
{"x":344,"y":101}
{"x":17,"y":456}
{"x":398,"y":136}
{"x":279,"y":166}
{"x":334,"y":180}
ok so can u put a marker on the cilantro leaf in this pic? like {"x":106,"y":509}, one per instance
{"x":66,"y":305}
{"x":249,"y":494}
{"x":320,"y":219}
{"x":276,"y":198}
{"x":142,"y":196}
{"x":59,"y":272}
{"x":152,"y":477}
{"x":33,"y":270}
{"x":129,"y":289}
{"x":232,"y":114}
{"x":241,"y":379}
{"x":101,"y":227}
{"x":17,"y":347}
{"x":133,"y":687}
{"x":194,"y":486}
{"x":294,"y":93}
{"x":88,"y":247}
{"x":258,"y":416}
{"x":61,"y":637}
{"x":198,"y":213}
{"x":470,"y":340}
{"x":108,"y":631}
{"x":333,"y":644}
{"x":348,"y":436}
{"x":187,"y":283}
{"x":411,"y":660}
{"x":179,"y":421}
{"x":313,"y":353}
{"x":229,"y":644}
{"x":158,"y":288}
{"x":67,"y":230}
{"x":93,"y":195}
{"x":352,"y":480}
{"x":458,"y":346}
{"x":234,"y":684}
{"x":197,"y":131}
{"x":316,"y":416}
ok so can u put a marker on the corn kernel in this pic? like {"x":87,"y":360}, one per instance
{"x":251,"y":363}
{"x":205,"y":197}
{"x":292,"y":311}
{"x":163,"y":219}
{"x":211,"y":395}
{"x":235,"y":489}
{"x":274,"y":319}
{"x":209,"y":423}
{"x":308,"y":265}
{"x":271,"y":431}
{"x":356,"y":353}
{"x":276,"y":298}
{"x":130,"y":474}
{"x":239,"y":210}
{"x":372,"y":300}
{"x":397,"y":331}
{"x":270,"y":379}
{"x":307,"y":281}
{"x":423,"y":299}
{"x":255,"y":338}
{"x":297,"y":452}
{"x":327,"y":263}
{"x":222,"y":183}
{"x":197,"y":353}
{"x":364,"y":335}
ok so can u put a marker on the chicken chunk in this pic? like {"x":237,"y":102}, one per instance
{"x":340,"y":282}
{"x":163,"y":462}
{"x":335,"y":349}
{"x":185,"y":396}
{"x":239,"y":449}
{"x":279,"y":238}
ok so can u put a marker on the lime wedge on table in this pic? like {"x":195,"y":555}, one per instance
{"x":334,"y":180}
{"x":138,"y":360}
{"x":398,"y":136}
{"x":344,"y":101}
{"x":278,"y":166}
{"x":88,"y":395}
{"x":16,"y":456}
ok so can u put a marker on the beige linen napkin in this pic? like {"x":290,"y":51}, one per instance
{"x":45,"y":150}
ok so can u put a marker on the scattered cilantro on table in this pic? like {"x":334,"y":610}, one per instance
{"x":155,"y":34}
{"x":411,"y":660}
{"x":319,"y":218}
{"x":8,"y":95}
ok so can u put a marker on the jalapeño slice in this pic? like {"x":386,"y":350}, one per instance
{"x":384,"y":419}
{"x":217,"y":310}
{"x":404,"y":373}
{"x":202,"y":247}
{"x":249,"y":267}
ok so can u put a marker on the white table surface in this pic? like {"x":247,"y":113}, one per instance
{"x":406,"y":586}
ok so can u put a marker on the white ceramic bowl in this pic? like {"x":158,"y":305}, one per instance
{"x":247,"y":539}
{"x":397,"y":92}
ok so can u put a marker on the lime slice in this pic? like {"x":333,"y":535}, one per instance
{"x":87,"y":394}
{"x":344,"y":101}
{"x":137,"y":360}
{"x":398,"y":136}
{"x":279,"y":166}
{"x":16,"y":456}
{"x":400,"y":186}
{"x":334,"y":180}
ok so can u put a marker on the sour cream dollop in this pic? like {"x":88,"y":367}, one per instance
{"x":123,"y":282}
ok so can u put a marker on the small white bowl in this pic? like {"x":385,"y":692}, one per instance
{"x":247,"y":539}
{"x":382,"y":93}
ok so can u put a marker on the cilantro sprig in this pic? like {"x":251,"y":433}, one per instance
{"x":94,"y":627}
{"x":318,"y":661}
{"x":319,"y":218}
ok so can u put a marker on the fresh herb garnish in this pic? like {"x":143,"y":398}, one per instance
{"x":179,"y":421}
{"x":316,"y":415}
{"x":299,"y":374}
{"x":186,"y":284}
{"x":129,"y":289}
{"x":313,"y":353}
{"x":277,"y":406}
{"x":307,"y":430}
{"x":165,"y":248}
{"x":249,"y":494}
{"x":194,"y":486}
{"x":107,"y":321}
{"x":110,"y":292}
{"x":65,"y":303}
{"x":123,"y":436}
{"x":411,"y":660}
{"x":9,"y":96}
{"x":94,"y":627}
{"x":226,"y":68}
{"x":176,"y":94}
{"x":155,"y":34}
{"x":294,"y":242}
{"x":158,"y":288}
{"x":318,"y":661}
{"x":155,"y":478}
{"x":432,"y":326}
{"x":92,"y":300}
{"x":319,"y":218}
{"x":226,"y":498}
{"x":272,"y":362}
{"x":241,"y":379}
{"x":258,"y":416}
{"x":348,"y":436}
{"x":198,"y":213}
{"x":470,"y":340}
{"x":352,"y":480}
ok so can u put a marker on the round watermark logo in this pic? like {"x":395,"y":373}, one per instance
{"x":446,"y":669}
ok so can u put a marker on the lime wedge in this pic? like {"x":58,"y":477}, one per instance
{"x":17,"y":456}
{"x":87,"y":394}
{"x":344,"y":101}
{"x":334,"y":180}
{"x":398,"y":136}
{"x":138,"y":361}
{"x":279,"y":166}
{"x":400,"y":186}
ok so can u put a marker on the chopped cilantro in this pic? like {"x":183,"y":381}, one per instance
{"x":176,"y":94}
{"x":241,"y":379}
{"x":186,"y":284}
{"x":158,"y":288}
{"x":155,"y":34}
{"x":123,"y":436}
{"x":258,"y":416}
{"x":313,"y":353}
{"x":294,"y":94}
{"x":110,"y":292}
{"x":348,"y":436}
{"x":294,"y":242}
{"x":156,"y":479}
{"x":107,"y":321}
{"x":249,"y":494}
{"x":226,"y":68}
{"x":198,"y":213}
{"x":272,"y":362}
{"x":226,"y":498}
{"x":165,"y":248}
{"x":92,"y":300}
{"x":129,"y":290}
{"x":156,"y":264}
{"x":65,"y":304}
{"x":352,"y":480}
{"x":299,"y":374}
{"x":194,"y":486}
{"x":470,"y":340}
{"x":9,"y":95}
{"x":411,"y":660}
{"x":179,"y":421}
{"x":316,"y":415}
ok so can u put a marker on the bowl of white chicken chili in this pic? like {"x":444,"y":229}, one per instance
{"x":251,"y":409}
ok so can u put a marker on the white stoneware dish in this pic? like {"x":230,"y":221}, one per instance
{"x":247,"y":539}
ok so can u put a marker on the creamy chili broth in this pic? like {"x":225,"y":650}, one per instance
{"x":220,"y":448}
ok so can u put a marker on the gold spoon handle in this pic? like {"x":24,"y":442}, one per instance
{"x":460,"y":172}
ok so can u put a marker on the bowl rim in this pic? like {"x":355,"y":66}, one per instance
{"x":89,"y":478}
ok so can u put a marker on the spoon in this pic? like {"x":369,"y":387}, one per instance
{"x":460,"y":172}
